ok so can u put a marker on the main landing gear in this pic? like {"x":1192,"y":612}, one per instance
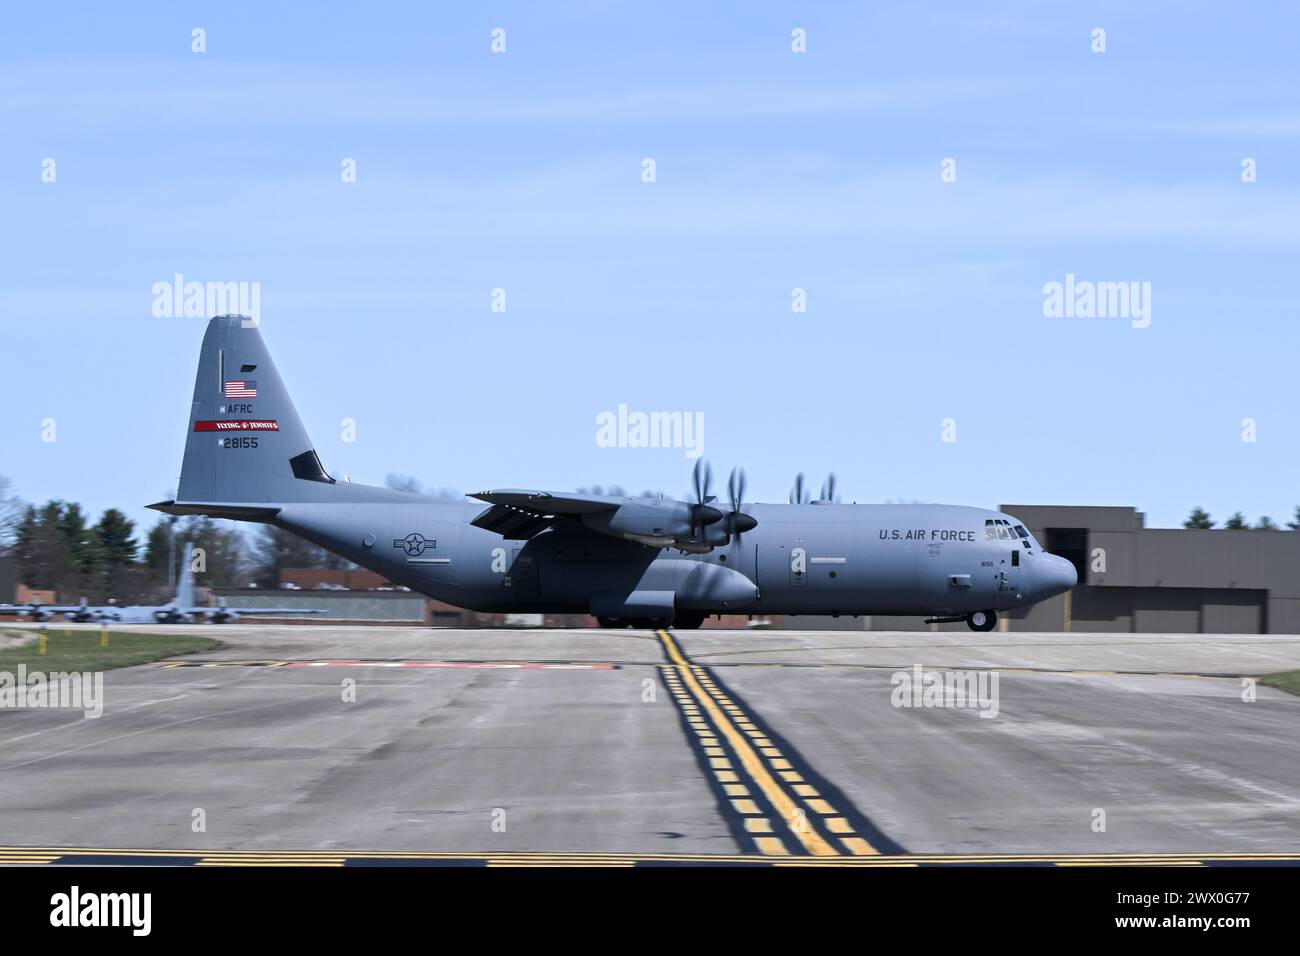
{"x":681,"y":622}
{"x":636,"y":622}
{"x":981,"y":620}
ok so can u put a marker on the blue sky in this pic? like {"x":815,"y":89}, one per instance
{"x":775,"y":170}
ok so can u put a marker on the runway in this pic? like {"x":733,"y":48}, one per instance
{"x":365,"y":746}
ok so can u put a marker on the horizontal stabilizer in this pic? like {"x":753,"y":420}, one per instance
{"x":213,"y":509}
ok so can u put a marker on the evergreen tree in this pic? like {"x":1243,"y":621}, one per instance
{"x":1266,"y":524}
{"x":45,"y":560}
{"x":156,"y":546}
{"x":1199,"y":518}
{"x":1237,"y":522}
{"x":1294,"y":523}
{"x":11,"y":512}
{"x":83,"y":546}
{"x":114,"y":531}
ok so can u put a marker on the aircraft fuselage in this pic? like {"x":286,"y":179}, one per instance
{"x":800,"y":559}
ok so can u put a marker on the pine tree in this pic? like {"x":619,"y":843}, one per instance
{"x":11,"y":512}
{"x":1199,"y":518}
{"x":114,"y":531}
{"x":157,"y":545}
{"x":45,"y":560}
{"x":1237,"y":522}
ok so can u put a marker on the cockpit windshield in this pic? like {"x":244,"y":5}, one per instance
{"x":1000,"y":529}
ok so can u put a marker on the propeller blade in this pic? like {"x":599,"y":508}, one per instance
{"x":828,"y":488}
{"x":737,"y":522}
{"x":703,"y":479}
{"x":798,"y":494}
{"x":701,"y":513}
{"x":736,"y":488}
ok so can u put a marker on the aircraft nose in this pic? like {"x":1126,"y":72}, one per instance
{"x":1054,"y":575}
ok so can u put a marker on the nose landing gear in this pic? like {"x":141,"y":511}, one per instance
{"x":981,"y":620}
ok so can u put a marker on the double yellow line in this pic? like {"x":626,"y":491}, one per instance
{"x":768,"y":771}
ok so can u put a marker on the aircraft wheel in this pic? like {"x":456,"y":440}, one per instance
{"x":688,"y":622}
{"x":981,"y":620}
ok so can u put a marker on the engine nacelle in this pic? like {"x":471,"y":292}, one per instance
{"x":649,"y":523}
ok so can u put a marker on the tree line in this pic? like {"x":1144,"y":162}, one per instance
{"x":57,"y":547}
{"x":1200,"y":518}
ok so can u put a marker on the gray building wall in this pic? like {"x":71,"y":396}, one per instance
{"x":1167,"y":580}
{"x":338,"y":605}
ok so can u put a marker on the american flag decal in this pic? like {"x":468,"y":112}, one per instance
{"x":241,"y":389}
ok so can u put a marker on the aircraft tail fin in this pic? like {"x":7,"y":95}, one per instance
{"x":185,"y":578}
{"x":246,"y":448}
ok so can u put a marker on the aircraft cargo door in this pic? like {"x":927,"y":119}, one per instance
{"x":524,"y":575}
{"x":781,"y":561}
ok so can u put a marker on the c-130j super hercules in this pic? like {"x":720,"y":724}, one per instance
{"x":652,"y":561}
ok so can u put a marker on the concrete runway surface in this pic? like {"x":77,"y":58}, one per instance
{"x":655,"y":745}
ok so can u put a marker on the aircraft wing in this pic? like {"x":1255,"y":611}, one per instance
{"x":657,"y":521}
{"x":43,"y":608}
{"x":517,"y":514}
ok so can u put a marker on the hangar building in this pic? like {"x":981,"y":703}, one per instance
{"x":1164,"y":580}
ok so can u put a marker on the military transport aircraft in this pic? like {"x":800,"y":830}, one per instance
{"x":180,"y":610}
{"x":647,"y":561}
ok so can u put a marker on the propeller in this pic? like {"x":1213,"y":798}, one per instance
{"x":701,"y":512}
{"x":737,"y":521}
{"x":828,"y":488}
{"x":799,"y":493}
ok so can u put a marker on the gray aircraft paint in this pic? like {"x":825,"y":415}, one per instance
{"x":817,"y":558}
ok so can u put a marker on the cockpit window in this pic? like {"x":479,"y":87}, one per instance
{"x":1020,"y":530}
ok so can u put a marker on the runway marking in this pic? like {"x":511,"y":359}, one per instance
{"x":796,"y":812}
{"x":985,"y":667}
{"x":472,"y":665}
{"x":101,"y":856}
{"x":609,"y":665}
{"x":970,"y":643}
